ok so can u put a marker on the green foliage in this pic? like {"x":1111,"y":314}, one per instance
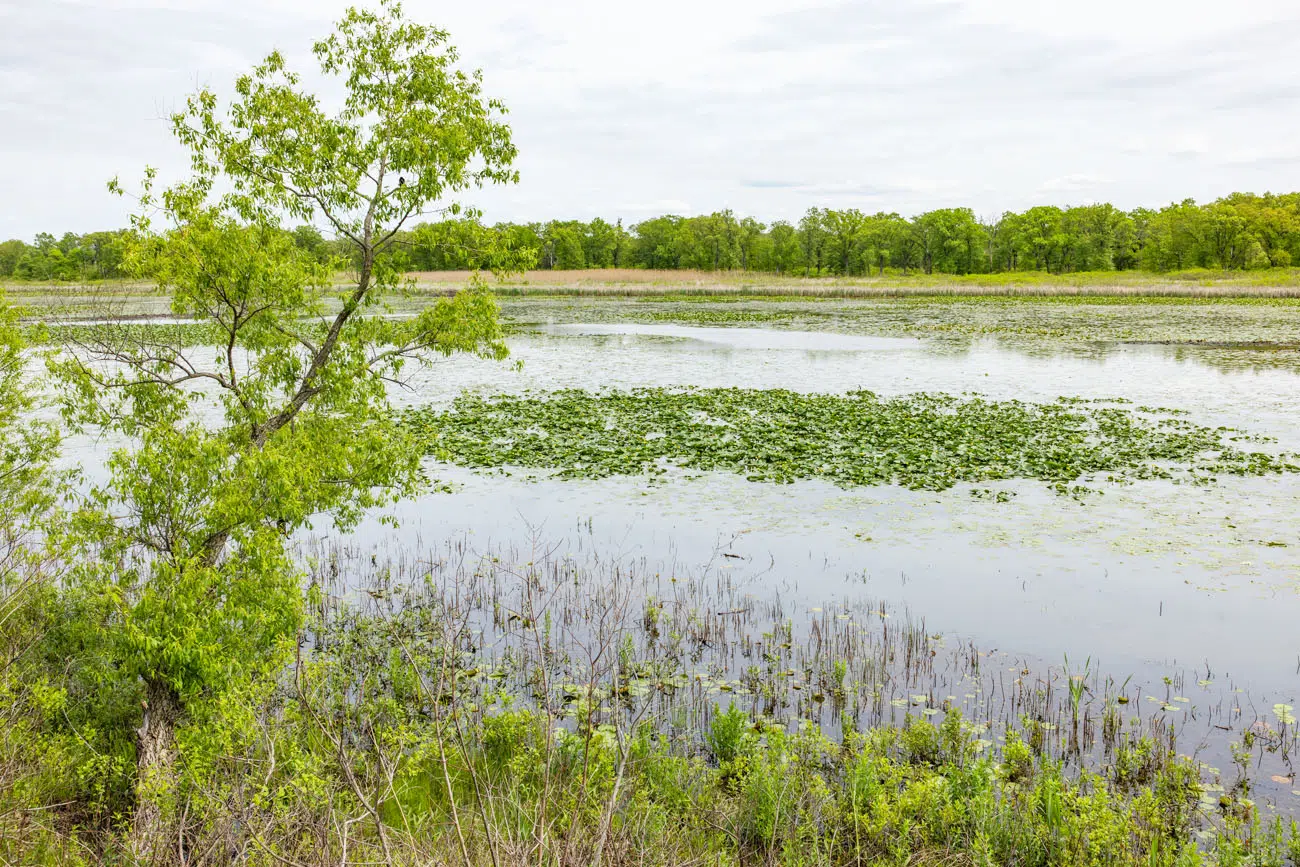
{"x":922,"y":441}
{"x":93,"y":256}
{"x":272,"y":408}
{"x":35,"y":767}
{"x":28,"y":493}
{"x":728,"y":735}
{"x":463,"y":244}
{"x":26,"y":446}
{"x":433,"y":776}
{"x":1241,"y":231}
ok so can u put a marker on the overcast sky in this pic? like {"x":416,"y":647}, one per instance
{"x":689,"y":106}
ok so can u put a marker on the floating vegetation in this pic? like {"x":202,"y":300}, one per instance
{"x":921,"y":441}
{"x":127,"y":331}
{"x":1264,"y":327}
{"x":710,"y":316}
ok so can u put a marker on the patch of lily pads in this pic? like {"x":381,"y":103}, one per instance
{"x":924,"y":441}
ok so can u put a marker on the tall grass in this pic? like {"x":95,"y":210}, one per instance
{"x":512,"y":708}
{"x":1276,"y":283}
{"x":635,"y":282}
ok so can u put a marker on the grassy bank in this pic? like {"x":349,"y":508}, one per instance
{"x":632,"y":282}
{"x":522,"y":708}
{"x":1274,"y":283}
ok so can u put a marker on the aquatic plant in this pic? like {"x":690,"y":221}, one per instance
{"x":1262,"y":326}
{"x":922,"y":441}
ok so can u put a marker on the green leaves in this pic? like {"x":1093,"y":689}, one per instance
{"x":26,"y":449}
{"x":196,"y":628}
{"x":413,"y":129}
{"x":269,"y":407}
{"x":921,"y":441}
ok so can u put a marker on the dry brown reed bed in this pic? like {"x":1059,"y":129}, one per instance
{"x":636,"y":282}
{"x":646,"y":283}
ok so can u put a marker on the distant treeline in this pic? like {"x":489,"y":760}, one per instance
{"x":93,"y":256}
{"x":1237,"y":232}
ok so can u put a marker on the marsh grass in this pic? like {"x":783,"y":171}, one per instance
{"x":511,"y":707}
{"x":614,"y":282}
{"x":1277,"y":283}
{"x":670,"y":710}
{"x":544,"y":626}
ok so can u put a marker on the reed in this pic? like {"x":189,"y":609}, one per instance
{"x":627,"y":282}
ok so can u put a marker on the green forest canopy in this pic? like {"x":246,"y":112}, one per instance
{"x":1239,"y":231}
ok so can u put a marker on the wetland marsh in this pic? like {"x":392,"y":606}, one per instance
{"x":1049,"y":516}
{"x":1055,"y":457}
{"x":1041,"y":492}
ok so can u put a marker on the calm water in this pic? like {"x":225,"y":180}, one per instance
{"x":1148,"y":576}
{"x":1147,"y":579}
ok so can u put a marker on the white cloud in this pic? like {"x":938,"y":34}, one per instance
{"x":1190,"y":145}
{"x":656,"y":207}
{"x":1073,"y":183}
{"x":764,"y":106}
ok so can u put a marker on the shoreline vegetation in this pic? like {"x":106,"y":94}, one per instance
{"x":1276,"y":285}
{"x":1239,"y":232}
{"x":520,"y":706}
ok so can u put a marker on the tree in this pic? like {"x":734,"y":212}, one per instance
{"x":93,"y":256}
{"x":310,"y":240}
{"x":653,"y":244}
{"x":786,"y":250}
{"x":972,"y":242}
{"x":844,"y":229}
{"x":751,"y":233}
{"x":231,"y":447}
{"x":1175,"y":238}
{"x":1043,"y":236}
{"x":946,"y":240}
{"x":524,"y":242}
{"x":711,"y":242}
{"x":1275,"y":223}
{"x":1008,"y":243}
{"x":1226,"y":235}
{"x":812,"y":240}
{"x":1095,"y":236}
{"x":1125,"y":242}
{"x":725,"y":235}
{"x":26,"y":449}
{"x":11,"y":252}
{"x":564,"y":241}
{"x":888,"y":239}
{"x":600,"y":244}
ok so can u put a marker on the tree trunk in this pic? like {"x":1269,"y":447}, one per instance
{"x":153,"y":834}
